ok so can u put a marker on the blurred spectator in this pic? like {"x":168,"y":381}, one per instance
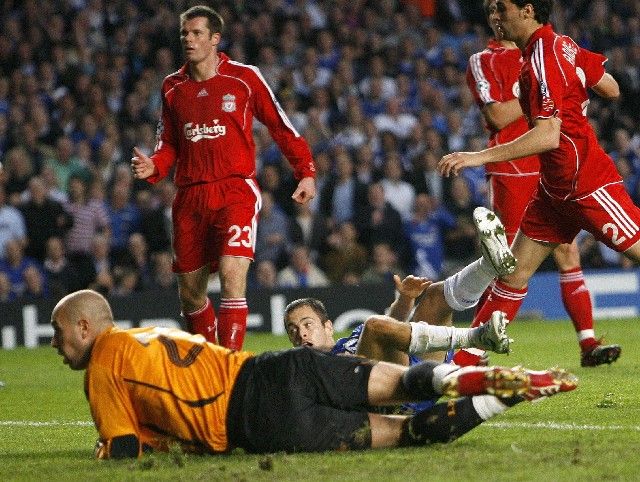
{"x":14,"y":265}
{"x":12,"y":224}
{"x":125,"y":281}
{"x":397,"y":192}
{"x":384,"y":265}
{"x":6,"y":294}
{"x":345,"y":257}
{"x":273,"y":238}
{"x":381,"y":223}
{"x":343,"y":196}
{"x":136,"y":257}
{"x":124,"y":216}
{"x":265,"y":276}
{"x":155,"y":208}
{"x":62,"y":274}
{"x":89,"y":217}
{"x":275,"y":181}
{"x":377,"y":76}
{"x":101,"y":254}
{"x":18,"y":167}
{"x":307,"y":228}
{"x":461,"y":240}
{"x":43,"y":217}
{"x":301,"y":272}
{"x":53,"y":189}
{"x":426,"y":232}
{"x":35,"y":287}
{"x":64,"y":163}
{"x":426,"y":179}
{"x":394,"y":120}
{"x":163,"y":276}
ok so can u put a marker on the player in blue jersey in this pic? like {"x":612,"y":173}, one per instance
{"x":389,"y":338}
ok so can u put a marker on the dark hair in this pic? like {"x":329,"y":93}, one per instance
{"x":214,"y":20}
{"x":542,"y":8}
{"x":316,"y":305}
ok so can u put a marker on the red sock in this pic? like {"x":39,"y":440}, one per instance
{"x":483,"y":298}
{"x":203,"y":322}
{"x":232,"y":322}
{"x":577,"y":302}
{"x":502,"y":298}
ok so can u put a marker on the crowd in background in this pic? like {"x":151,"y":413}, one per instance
{"x":376,"y":87}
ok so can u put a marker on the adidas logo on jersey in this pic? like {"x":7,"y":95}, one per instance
{"x":202,"y":93}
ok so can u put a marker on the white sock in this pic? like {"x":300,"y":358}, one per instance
{"x":463,"y":289}
{"x":488,"y":406}
{"x":586,"y":334}
{"x":440,"y":372}
{"x":426,"y":338}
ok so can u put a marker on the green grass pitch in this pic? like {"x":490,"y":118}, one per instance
{"x":592,"y":433}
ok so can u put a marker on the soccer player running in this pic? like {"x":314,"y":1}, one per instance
{"x":492,"y":77}
{"x":152,"y":387}
{"x":579,"y":186}
{"x":205,"y":130}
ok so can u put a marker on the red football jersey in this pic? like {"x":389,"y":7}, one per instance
{"x":206,"y":127}
{"x":492,"y":76}
{"x":553,"y":82}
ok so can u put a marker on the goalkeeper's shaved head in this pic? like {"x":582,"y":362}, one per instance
{"x":87,"y":304}
{"x":78,"y":319}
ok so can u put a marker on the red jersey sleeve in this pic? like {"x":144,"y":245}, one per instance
{"x":166,"y":152}
{"x":268,"y":111}
{"x":543,"y":84}
{"x":481,"y":79}
{"x":591,"y":65}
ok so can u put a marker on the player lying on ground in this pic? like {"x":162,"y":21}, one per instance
{"x":385,"y":338}
{"x":149,"y":387}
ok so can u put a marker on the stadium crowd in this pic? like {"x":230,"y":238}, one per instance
{"x":377,"y":88}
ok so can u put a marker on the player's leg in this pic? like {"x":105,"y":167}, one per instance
{"x":464,"y":289}
{"x":385,"y":339}
{"x":197,"y":308}
{"x":577,"y":302}
{"x":233,"y":309}
{"x":485,"y":391}
{"x":508,"y":291}
{"x":236,"y":224}
{"x":190,"y":263}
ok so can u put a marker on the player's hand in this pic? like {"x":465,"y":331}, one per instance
{"x":305,"y":191}
{"x":142,"y":166}
{"x":453,"y":163}
{"x":411,"y":286}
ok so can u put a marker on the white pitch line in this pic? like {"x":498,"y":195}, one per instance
{"x":561,"y":426}
{"x":501,"y":425}
{"x":53,"y":423}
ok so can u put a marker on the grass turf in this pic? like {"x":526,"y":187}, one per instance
{"x":589,"y":434}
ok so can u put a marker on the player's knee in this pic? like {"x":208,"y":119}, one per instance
{"x":567,"y":256}
{"x":373,"y":325}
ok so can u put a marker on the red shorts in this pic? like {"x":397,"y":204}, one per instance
{"x":214,"y":219}
{"x":509,"y":196}
{"x":608,"y":213}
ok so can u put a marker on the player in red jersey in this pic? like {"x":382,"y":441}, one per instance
{"x":579,"y":185}
{"x":208,"y":108}
{"x":492,"y":77}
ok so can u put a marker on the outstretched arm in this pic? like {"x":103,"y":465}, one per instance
{"x":408,"y":290}
{"x":543,"y":137}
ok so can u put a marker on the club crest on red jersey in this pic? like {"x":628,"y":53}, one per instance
{"x":228,"y":103}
